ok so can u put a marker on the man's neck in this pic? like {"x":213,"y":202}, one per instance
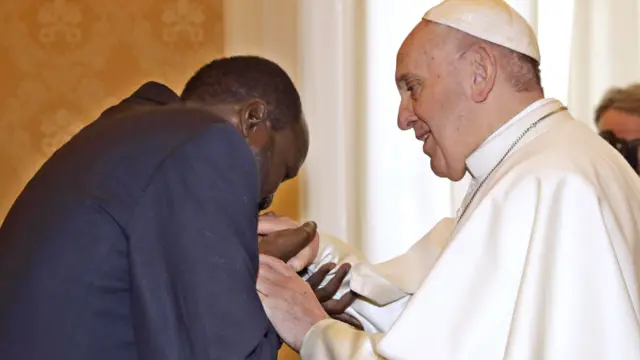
{"x":502,"y":111}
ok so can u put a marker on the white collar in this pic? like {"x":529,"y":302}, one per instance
{"x":487,"y":155}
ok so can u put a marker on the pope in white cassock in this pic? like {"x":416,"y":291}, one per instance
{"x":543,"y":258}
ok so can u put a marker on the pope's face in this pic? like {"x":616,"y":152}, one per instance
{"x":429,"y":78}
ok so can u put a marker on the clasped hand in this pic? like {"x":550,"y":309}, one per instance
{"x":293,"y":304}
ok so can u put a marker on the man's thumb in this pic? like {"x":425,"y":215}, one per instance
{"x":310,"y":227}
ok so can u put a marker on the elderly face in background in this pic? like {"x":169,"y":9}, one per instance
{"x":619,"y":112}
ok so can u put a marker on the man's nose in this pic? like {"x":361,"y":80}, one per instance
{"x":406,"y":118}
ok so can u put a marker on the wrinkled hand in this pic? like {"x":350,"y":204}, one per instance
{"x":286,"y":243}
{"x":269,"y":224}
{"x":288,"y":300}
{"x":334,"y":307}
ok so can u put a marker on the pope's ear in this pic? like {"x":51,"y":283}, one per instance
{"x":484,"y":71}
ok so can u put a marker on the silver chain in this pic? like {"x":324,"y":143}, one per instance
{"x":513,"y":145}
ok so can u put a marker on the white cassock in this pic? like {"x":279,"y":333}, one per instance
{"x":544,"y":264}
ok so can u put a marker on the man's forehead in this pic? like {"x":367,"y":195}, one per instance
{"x":416,"y":48}
{"x":406,"y":55}
{"x":407,"y":47}
{"x":622,"y":124}
{"x":614,"y":118}
{"x":409,"y":66}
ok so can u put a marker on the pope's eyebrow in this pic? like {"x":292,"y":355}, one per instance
{"x":402,"y":79}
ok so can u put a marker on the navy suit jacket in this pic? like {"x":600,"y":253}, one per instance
{"x":137,"y":240}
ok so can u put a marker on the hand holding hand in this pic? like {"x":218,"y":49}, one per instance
{"x":334,"y":307}
{"x":269,"y":224}
{"x":285,"y":244}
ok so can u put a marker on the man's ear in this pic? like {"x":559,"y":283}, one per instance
{"x":253,"y":124}
{"x":485,"y":66}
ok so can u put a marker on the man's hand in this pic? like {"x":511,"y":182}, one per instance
{"x":270,"y":223}
{"x":334,"y":308}
{"x":287,"y":243}
{"x":288,"y":300}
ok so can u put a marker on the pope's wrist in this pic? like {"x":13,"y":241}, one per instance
{"x":316,"y":318}
{"x":313,"y":335}
{"x":314,"y":321}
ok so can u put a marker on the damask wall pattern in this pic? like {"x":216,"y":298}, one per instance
{"x":64,"y":61}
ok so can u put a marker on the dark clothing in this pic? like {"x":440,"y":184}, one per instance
{"x":137,"y":240}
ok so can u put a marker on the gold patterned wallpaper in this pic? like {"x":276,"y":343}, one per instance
{"x":64,"y":61}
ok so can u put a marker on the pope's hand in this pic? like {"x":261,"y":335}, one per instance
{"x":269,"y":224}
{"x":288,"y":300}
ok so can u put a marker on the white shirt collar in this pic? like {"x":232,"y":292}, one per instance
{"x":487,"y":155}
